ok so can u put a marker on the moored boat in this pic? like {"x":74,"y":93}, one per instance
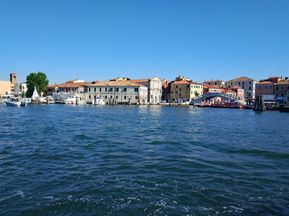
{"x":14,"y":102}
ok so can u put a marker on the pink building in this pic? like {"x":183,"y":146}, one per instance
{"x":264,"y":88}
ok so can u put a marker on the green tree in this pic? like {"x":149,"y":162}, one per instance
{"x":38,"y":80}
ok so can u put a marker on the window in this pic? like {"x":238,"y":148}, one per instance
{"x":124,"y":90}
{"x":105,"y":97}
{"x":94,"y":89}
{"x":277,"y":88}
{"x":135,"y":89}
{"x":100,"y":89}
{"x":250,"y":83}
{"x":180,"y":89}
{"x":136,"y":97}
{"x":124,"y":97}
{"x":110,"y":96}
{"x":117,"y":89}
{"x":176,"y":86}
{"x":105,"y":89}
{"x":116,"y":97}
{"x":250,"y":88}
{"x":110,"y":90}
{"x":89,"y":97}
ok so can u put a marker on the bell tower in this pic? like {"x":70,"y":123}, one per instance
{"x":13,"y":78}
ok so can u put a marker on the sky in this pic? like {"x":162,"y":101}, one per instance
{"x":103,"y":39}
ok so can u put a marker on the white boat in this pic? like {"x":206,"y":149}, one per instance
{"x":99,"y":101}
{"x":74,"y":100}
{"x":35,"y":96}
{"x":36,"y":99}
{"x":70,"y":100}
{"x":14,"y":102}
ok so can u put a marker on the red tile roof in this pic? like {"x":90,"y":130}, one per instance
{"x":241,"y":79}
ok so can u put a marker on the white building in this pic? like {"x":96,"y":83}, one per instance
{"x":245,"y":83}
{"x":154,"y":86}
{"x":20,"y":88}
{"x":117,"y":92}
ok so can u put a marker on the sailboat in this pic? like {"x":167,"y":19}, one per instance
{"x":36,"y":99}
{"x":35,"y":96}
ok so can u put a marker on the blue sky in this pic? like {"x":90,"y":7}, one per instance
{"x":99,"y":40}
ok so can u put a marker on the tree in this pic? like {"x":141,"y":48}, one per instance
{"x":38,"y":80}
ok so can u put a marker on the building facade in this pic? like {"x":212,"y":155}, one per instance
{"x":281,"y":91}
{"x":117,"y":92}
{"x":8,"y":87}
{"x":184,"y":90}
{"x":196,"y":90}
{"x":266,"y":90}
{"x":68,"y":89}
{"x":154,"y":86}
{"x":245,"y":83}
{"x":213,"y":82}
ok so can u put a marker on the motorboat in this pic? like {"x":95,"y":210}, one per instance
{"x":14,"y":102}
{"x":74,"y":100}
{"x":99,"y":101}
{"x":70,"y":100}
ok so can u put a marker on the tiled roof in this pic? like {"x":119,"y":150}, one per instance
{"x":69,"y":85}
{"x":140,"y":80}
{"x":116,"y":83}
{"x":241,"y":79}
{"x":282,"y":82}
{"x":264,"y":83}
{"x":212,"y":86}
{"x":181,"y":82}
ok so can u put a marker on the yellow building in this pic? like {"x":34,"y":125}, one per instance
{"x":196,"y":90}
{"x":5,"y":87}
{"x":185,"y":90}
{"x":8,"y":87}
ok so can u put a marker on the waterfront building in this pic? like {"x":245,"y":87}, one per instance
{"x":245,"y":83}
{"x":166,"y":89}
{"x":196,"y":89}
{"x":266,"y":90}
{"x":154,"y":86}
{"x":7,"y":86}
{"x":281,"y":90}
{"x":183,"y":89}
{"x":117,"y":92}
{"x":68,"y":89}
{"x":270,"y":90}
